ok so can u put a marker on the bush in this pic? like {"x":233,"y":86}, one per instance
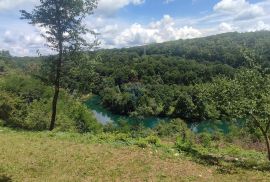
{"x":26,"y":87}
{"x":153,"y":140}
{"x":205,"y":139}
{"x":26,"y":103}
{"x":175,"y":127}
{"x":141,"y":143}
{"x":123,"y":126}
{"x":11,"y":109}
{"x":81,"y":116}
{"x":38,"y":116}
{"x":122,"y":137}
{"x":186,"y":146}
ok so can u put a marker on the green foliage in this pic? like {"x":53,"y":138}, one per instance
{"x":175,"y":127}
{"x":26,"y":103}
{"x":25,"y":87}
{"x":142,"y":143}
{"x":205,"y":139}
{"x":84,"y":120}
{"x":175,"y":79}
{"x":38,"y":116}
{"x":11,"y":108}
{"x":153,"y":140}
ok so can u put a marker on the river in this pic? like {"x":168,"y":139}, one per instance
{"x":104,"y":116}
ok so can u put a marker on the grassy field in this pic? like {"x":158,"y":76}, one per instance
{"x":44,"y":156}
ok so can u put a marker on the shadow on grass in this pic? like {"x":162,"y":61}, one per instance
{"x":225,"y":164}
{"x":4,"y":178}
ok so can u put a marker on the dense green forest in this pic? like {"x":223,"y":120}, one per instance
{"x":165,"y":81}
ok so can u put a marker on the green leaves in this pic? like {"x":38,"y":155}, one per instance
{"x":62,"y":20}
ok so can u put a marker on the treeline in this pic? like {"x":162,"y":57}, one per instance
{"x":225,"y":48}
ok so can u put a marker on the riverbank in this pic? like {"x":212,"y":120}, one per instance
{"x":45,"y":156}
{"x":104,"y":116}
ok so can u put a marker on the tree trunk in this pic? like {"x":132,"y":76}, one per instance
{"x":267,"y":144}
{"x":56,"y":87}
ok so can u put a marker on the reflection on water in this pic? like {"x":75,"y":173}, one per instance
{"x":104,"y":116}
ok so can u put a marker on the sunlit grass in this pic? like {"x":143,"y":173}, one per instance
{"x":44,"y":156}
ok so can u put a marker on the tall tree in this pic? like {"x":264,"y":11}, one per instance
{"x":63,"y":22}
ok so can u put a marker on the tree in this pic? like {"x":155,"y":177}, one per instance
{"x":63,"y":22}
{"x":246,"y":97}
{"x":253,"y":102}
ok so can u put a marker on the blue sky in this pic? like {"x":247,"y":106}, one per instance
{"x":125,"y":23}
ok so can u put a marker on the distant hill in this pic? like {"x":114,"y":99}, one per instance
{"x":227,"y":48}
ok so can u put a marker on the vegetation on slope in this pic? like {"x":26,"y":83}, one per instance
{"x":26,"y":156}
{"x":25,"y":102}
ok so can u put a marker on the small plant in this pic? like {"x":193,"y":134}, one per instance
{"x":153,"y":140}
{"x":122,"y":137}
{"x":227,"y":169}
{"x":142,"y":143}
{"x":205,"y":139}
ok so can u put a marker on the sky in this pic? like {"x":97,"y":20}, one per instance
{"x":127,"y":23}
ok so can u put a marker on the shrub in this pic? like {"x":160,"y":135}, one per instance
{"x":141,"y":143}
{"x":205,"y":139}
{"x":123,"y":137}
{"x":65,"y":123}
{"x":184,"y":146}
{"x":79,"y":115}
{"x":123,"y":126}
{"x":38,"y":116}
{"x":11,"y":109}
{"x":26,"y":87}
{"x":153,"y":140}
{"x":7,"y":106}
{"x":175,"y":127}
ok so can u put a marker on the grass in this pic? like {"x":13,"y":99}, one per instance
{"x":44,"y":156}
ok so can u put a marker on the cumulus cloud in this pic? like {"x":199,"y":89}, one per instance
{"x":159,"y":31}
{"x":260,"y":25}
{"x":109,"y":7}
{"x":240,"y":9}
{"x":225,"y":27}
{"x":24,"y":43}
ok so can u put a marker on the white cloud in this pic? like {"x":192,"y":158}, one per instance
{"x":260,"y":25}
{"x":109,"y":7}
{"x":105,"y":7}
{"x":225,"y":27}
{"x":27,"y":42}
{"x":230,"y":5}
{"x":240,"y":9}
{"x":160,"y":31}
{"x":168,"y":1}
{"x":9,"y":4}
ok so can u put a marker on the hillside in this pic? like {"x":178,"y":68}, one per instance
{"x":224,"y":48}
{"x":43,"y":156}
